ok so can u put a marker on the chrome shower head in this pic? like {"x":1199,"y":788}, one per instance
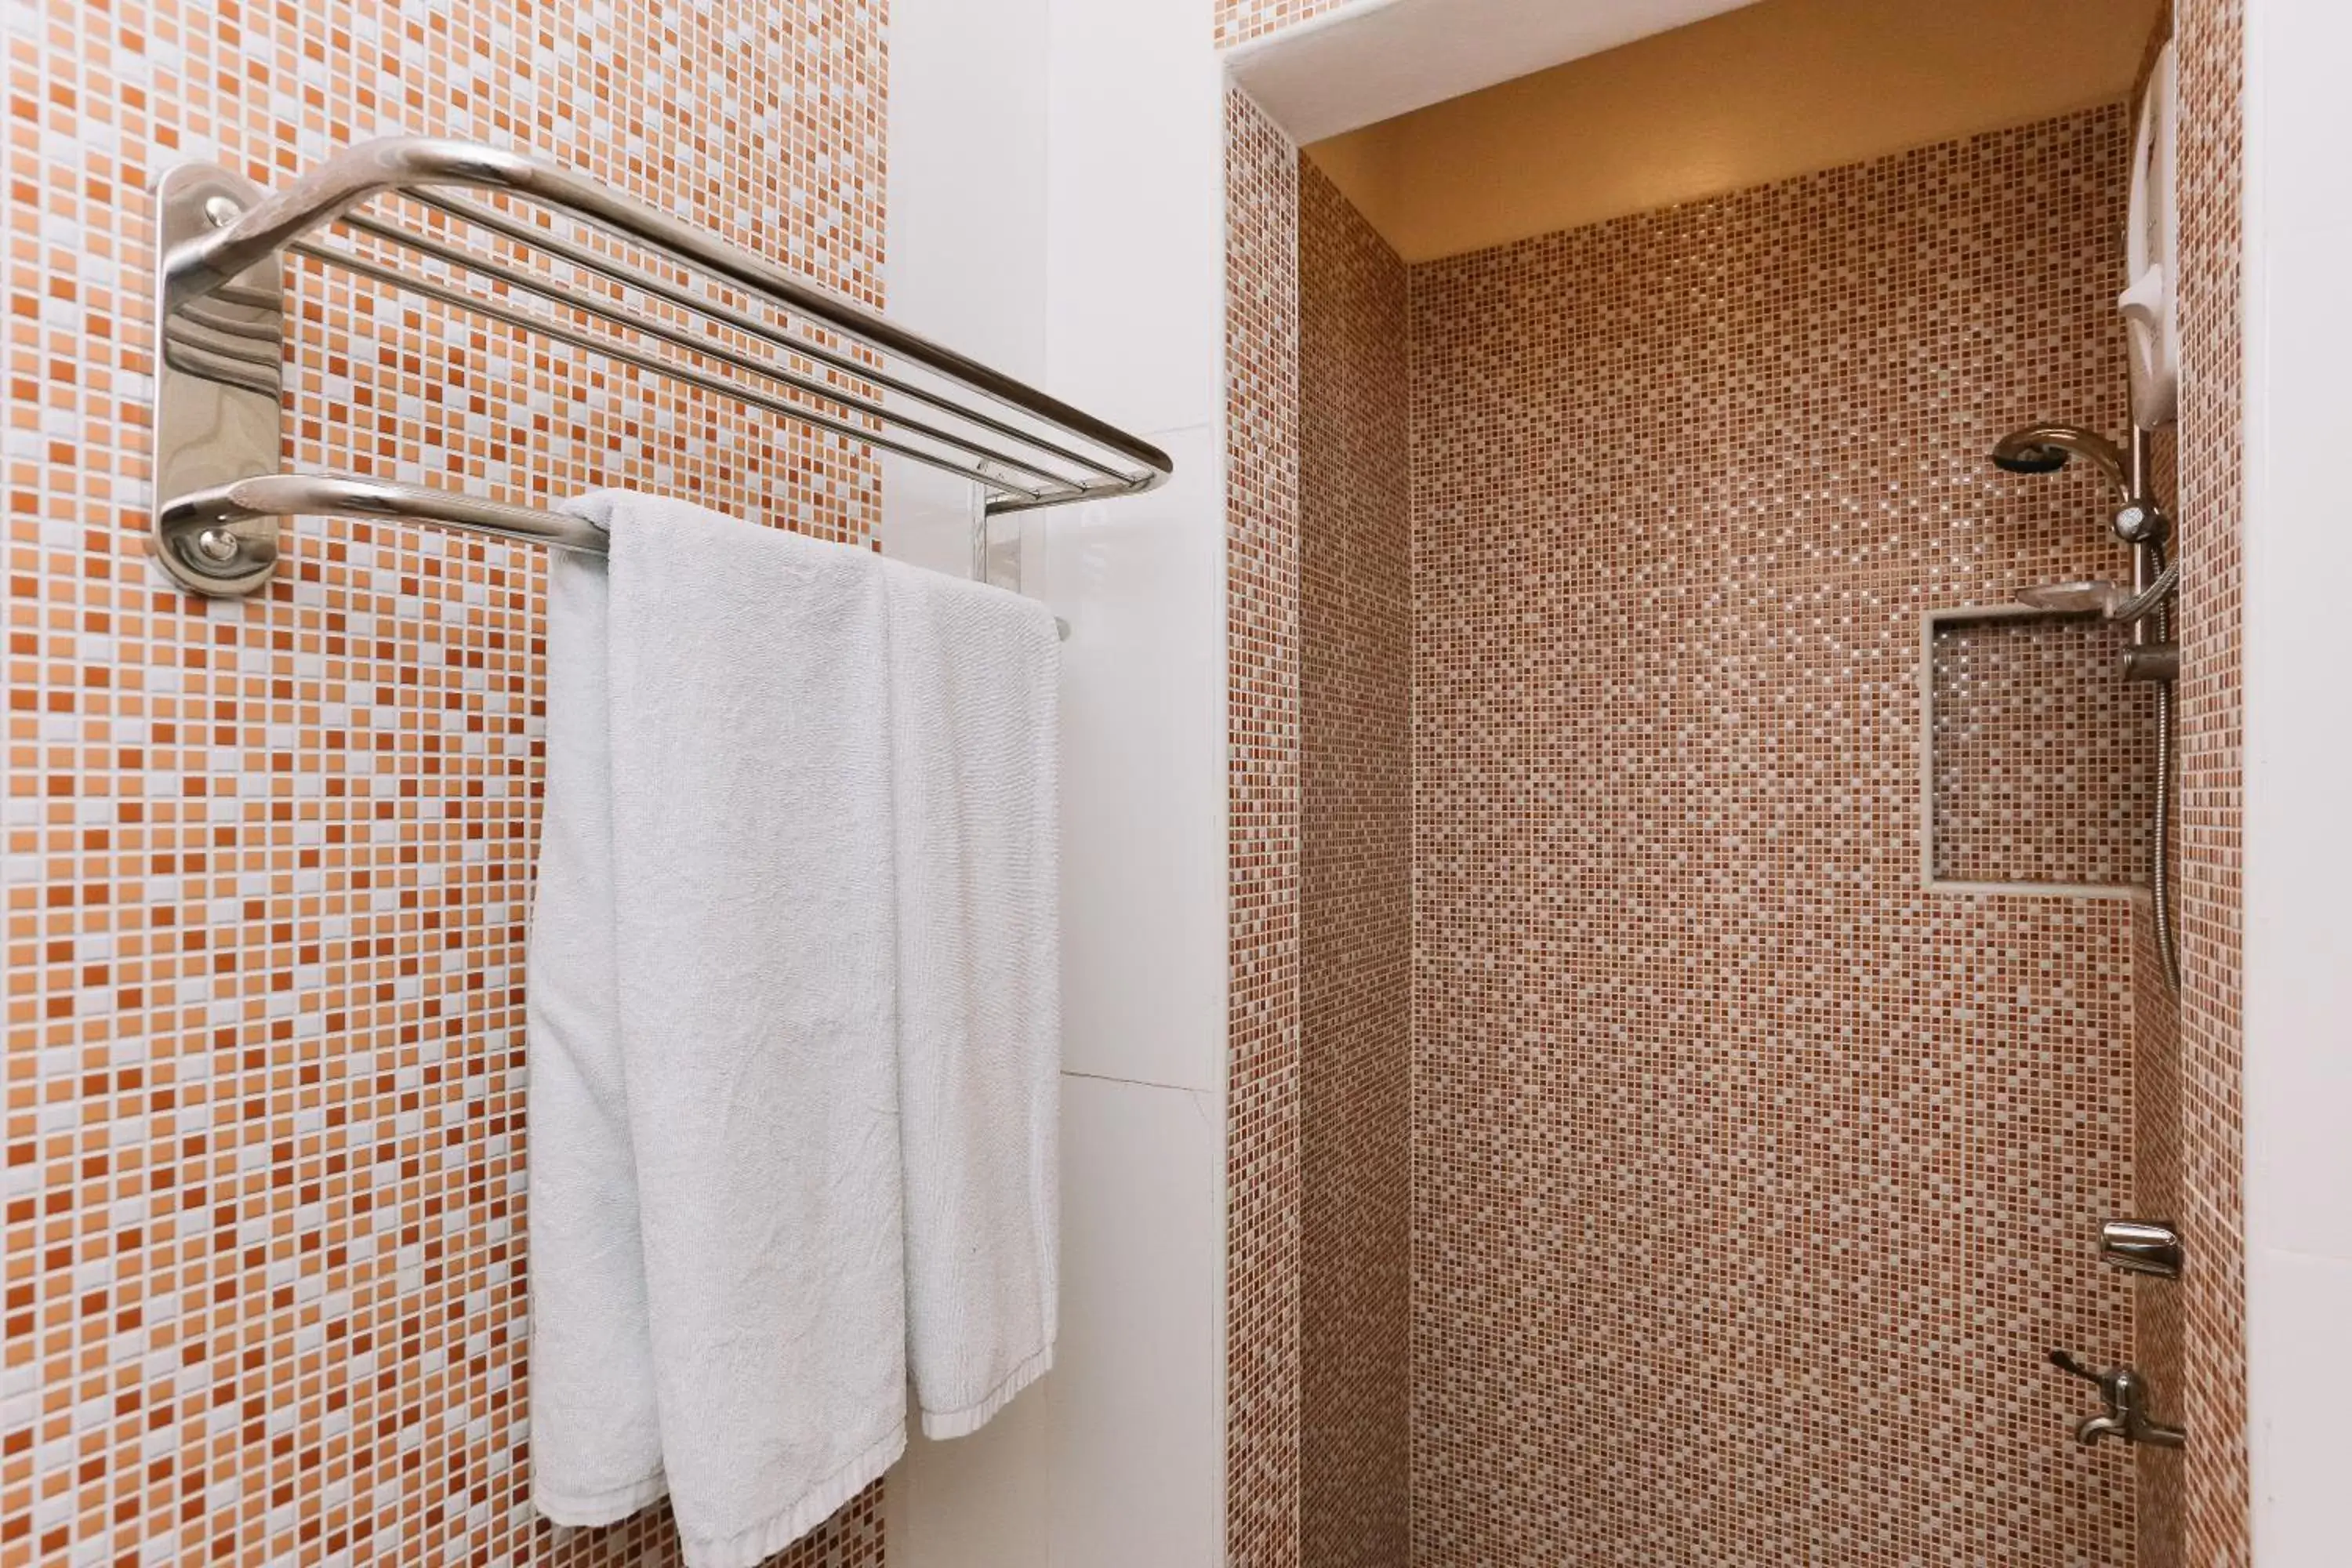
{"x":2044,"y":449}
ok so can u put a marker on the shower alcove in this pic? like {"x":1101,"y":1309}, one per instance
{"x":1725,"y":1013}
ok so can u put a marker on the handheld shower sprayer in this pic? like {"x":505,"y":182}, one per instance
{"x":2045,"y":448}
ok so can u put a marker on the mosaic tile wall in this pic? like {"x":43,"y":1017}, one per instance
{"x":1356,"y":889}
{"x":2157,"y":1304}
{"x":2157,"y":1308}
{"x":2044,"y":766}
{"x":2213,"y":428}
{"x":1238,"y":21}
{"x":1751,"y":1181}
{"x":267,"y":863}
{"x":1262,"y":1130}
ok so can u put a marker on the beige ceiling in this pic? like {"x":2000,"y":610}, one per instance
{"x":1777,"y":89}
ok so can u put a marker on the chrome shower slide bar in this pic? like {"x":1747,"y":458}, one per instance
{"x":813,"y":358}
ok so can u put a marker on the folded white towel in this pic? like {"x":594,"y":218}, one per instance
{"x":727,"y":1271}
{"x":975,"y":763}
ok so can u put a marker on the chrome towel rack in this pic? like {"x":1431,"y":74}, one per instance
{"x":787,"y":349}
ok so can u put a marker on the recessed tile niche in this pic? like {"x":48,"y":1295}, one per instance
{"x":2039,"y":773}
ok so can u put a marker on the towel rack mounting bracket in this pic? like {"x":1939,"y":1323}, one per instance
{"x":219,"y":391}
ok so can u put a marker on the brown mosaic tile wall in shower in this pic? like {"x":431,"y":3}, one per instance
{"x":2158,"y":1307}
{"x":2157,"y":1304}
{"x":2044,"y":755}
{"x":2212,"y":431}
{"x":267,"y":862}
{"x":1262,"y":1130}
{"x":1751,"y":1181}
{"x":1356,"y":889}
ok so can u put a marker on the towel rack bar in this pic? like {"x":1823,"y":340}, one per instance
{"x":319,"y":495}
{"x":547,"y":290}
{"x":605,"y":267}
{"x":207,"y":529}
{"x":368,"y":169}
{"x":490,"y":309}
{"x":840,"y":367}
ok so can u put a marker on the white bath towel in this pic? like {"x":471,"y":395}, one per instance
{"x":715,"y":1247}
{"x":975,"y":760}
{"x":595,"y":1420}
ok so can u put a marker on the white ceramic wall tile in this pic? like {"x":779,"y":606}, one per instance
{"x":2302,"y":1387}
{"x":1105,"y":288}
{"x":967,"y":224}
{"x":1116,"y":1455}
{"x":1135,"y":258}
{"x":1138,"y":1402}
{"x":2299,"y":1094}
{"x":2298,"y":856}
{"x":967,"y":200}
{"x":980,"y":1502}
{"x":927,"y":517}
{"x":1140,"y":582}
{"x":2298,"y":954}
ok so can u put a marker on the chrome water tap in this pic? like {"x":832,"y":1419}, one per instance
{"x":2124,"y":1393}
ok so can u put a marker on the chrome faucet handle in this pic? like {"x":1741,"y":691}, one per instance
{"x":2107,"y":1378}
{"x":2124,"y":1392}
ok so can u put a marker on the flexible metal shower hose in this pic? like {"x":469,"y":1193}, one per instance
{"x":2152,"y":603}
{"x":2147,"y":599}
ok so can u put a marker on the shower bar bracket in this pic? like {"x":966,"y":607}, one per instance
{"x":648,"y":291}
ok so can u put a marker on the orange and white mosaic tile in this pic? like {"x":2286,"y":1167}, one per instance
{"x":1238,"y":21}
{"x":267,"y":862}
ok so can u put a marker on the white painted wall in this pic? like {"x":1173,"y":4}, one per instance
{"x":1056,"y":206}
{"x":2298,"y":757}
